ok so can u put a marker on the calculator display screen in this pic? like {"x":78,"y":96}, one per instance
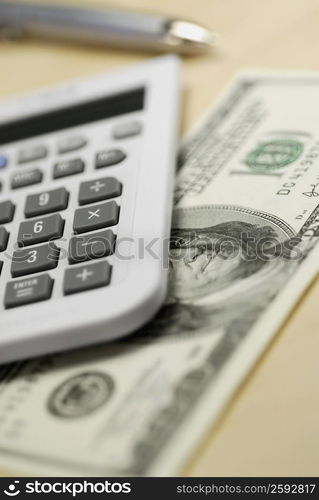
{"x":71,"y":116}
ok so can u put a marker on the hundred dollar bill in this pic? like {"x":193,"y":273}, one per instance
{"x":243,"y":249}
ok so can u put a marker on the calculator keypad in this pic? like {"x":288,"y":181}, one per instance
{"x":69,"y":229}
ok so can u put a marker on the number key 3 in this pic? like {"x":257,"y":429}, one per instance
{"x":34,"y":260}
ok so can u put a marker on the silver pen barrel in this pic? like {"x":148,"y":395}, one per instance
{"x":104,"y":26}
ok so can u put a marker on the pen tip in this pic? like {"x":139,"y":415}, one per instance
{"x":190,"y":37}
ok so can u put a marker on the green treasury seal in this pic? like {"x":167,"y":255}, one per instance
{"x":274,"y":154}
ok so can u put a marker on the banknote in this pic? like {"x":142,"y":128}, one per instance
{"x":243,"y":249}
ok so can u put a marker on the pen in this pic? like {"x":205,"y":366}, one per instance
{"x":104,"y":26}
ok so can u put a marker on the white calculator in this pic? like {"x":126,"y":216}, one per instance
{"x":86,"y":174}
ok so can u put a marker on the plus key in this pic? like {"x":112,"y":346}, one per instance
{"x":99,"y":190}
{"x":87,"y":277}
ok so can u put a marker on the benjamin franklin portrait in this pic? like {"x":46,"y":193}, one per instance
{"x":223,"y":261}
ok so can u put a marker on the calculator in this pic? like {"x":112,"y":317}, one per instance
{"x":86,"y":175}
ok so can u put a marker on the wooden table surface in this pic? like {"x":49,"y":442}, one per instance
{"x":271,"y":427}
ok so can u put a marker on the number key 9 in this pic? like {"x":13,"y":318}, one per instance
{"x":46,"y":202}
